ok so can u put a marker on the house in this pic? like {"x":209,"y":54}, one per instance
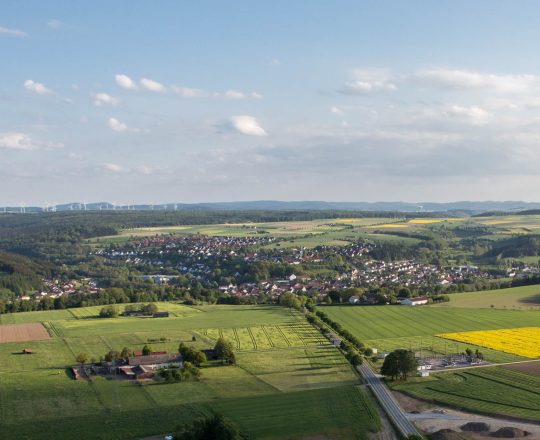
{"x":416,"y":301}
{"x":27,"y":351}
{"x":355,"y":299}
{"x":138,"y":372}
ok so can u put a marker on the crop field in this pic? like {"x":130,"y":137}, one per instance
{"x":288,"y":381}
{"x":429,"y":345}
{"x":330,"y":232}
{"x":383,"y":322}
{"x":525,"y":297}
{"x":490,"y":390}
{"x":22,"y":332}
{"x":266,"y":337}
{"x":532,"y":368}
{"x":521,"y":341}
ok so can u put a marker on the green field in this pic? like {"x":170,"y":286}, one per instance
{"x":526,"y":297}
{"x":389,"y":327}
{"x":383,"y":322}
{"x":490,"y":390}
{"x":287,"y":383}
{"x":330,"y":232}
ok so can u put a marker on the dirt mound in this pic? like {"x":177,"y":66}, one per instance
{"x":508,"y":432}
{"x":475,"y":427}
{"x":446,"y":434}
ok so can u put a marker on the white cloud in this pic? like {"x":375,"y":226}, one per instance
{"x":36,"y":87}
{"x":368,"y":81}
{"x":22,"y":141}
{"x":473,"y":113}
{"x":113,"y":168}
{"x":152,"y":86}
{"x":247,"y":125}
{"x":336,"y":111}
{"x":55,"y":24}
{"x":101,"y":99}
{"x":116,"y":125}
{"x":234,"y":94}
{"x":12,"y":32}
{"x":125,"y":82}
{"x":466,"y":79}
{"x":360,"y":87}
{"x":188,"y":92}
{"x":144,"y":169}
{"x":256,"y":95}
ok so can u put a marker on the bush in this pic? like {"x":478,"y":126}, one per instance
{"x":108,"y":312}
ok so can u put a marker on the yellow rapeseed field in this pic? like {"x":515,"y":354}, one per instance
{"x":425,"y":221}
{"x":523,"y":341}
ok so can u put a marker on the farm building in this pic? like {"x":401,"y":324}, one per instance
{"x":417,"y":301}
{"x":155,"y":360}
{"x":138,"y":372}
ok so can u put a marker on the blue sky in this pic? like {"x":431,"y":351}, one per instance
{"x":135,"y":101}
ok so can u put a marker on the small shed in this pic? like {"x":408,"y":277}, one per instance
{"x":27,"y":351}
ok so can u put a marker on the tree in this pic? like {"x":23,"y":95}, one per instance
{"x":356,"y":359}
{"x":108,"y":312}
{"x":126,"y":353}
{"x":399,"y":363}
{"x":225,"y":351}
{"x":191,"y":354}
{"x":112,"y":355}
{"x":390,"y":366}
{"x":147,"y":350}
{"x":215,"y":427}
{"x":407,"y":363}
{"x":290,"y":300}
{"x":150,"y":308}
{"x":82,"y":358}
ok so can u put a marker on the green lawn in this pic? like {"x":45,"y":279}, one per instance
{"x":286,"y":384}
{"x":522,"y":298}
{"x":490,"y":390}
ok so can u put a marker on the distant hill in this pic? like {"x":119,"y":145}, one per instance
{"x":457,"y":208}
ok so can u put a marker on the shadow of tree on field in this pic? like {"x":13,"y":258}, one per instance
{"x":531,"y":300}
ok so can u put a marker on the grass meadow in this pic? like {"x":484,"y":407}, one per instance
{"x":523,"y":298}
{"x":287,"y":383}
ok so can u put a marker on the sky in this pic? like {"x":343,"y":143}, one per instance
{"x":155,"y":102}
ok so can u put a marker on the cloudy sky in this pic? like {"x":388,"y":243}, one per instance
{"x":136,"y":101}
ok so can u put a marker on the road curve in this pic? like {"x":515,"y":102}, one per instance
{"x":388,"y":402}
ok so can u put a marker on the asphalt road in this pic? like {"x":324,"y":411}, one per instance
{"x":388,"y":402}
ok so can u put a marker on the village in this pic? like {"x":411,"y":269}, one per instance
{"x":303,"y":271}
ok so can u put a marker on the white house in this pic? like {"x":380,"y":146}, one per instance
{"x":355,"y":299}
{"x":417,"y":301}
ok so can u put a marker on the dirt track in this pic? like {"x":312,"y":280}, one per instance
{"x":23,"y":332}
